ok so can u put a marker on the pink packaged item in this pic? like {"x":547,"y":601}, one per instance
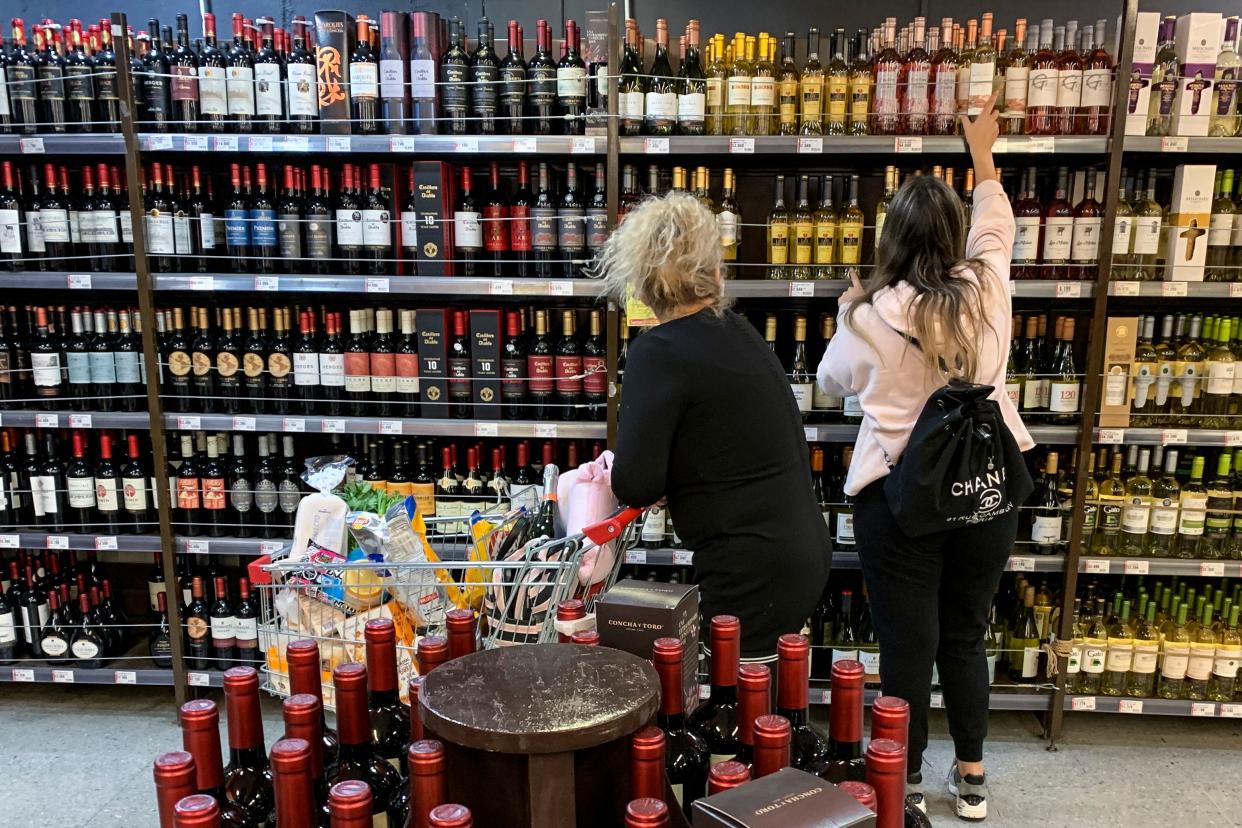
{"x":584,"y":496}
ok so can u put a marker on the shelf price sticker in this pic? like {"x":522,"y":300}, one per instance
{"x":1135,"y":567}
{"x":293,"y":425}
{"x":202,"y":283}
{"x":810,"y":145}
{"x":1130,"y":706}
{"x":30,"y":146}
{"x":502,"y":287}
{"x":10,"y":541}
{"x":1173,"y":288}
{"x":80,"y":421}
{"x":1233,"y":438}
{"x":375,"y":286}
{"x":270,"y":547}
{"x":197,"y":547}
{"x":1212,"y":569}
{"x":801,"y":288}
{"x":338,"y":143}
{"x":908,"y":143}
{"x":465,"y":145}
{"x":1110,"y":436}
{"x":560,"y":287}
{"x":124,"y":677}
{"x":1082,"y":703}
{"x":1068,"y":290}
{"x":105,"y":543}
{"x":741,"y":146}
{"x":937,"y":701}
{"x":297,"y":143}
{"x":1231,"y":711}
{"x":1235,"y":290}
{"x":332,"y":425}
{"x":636,"y":556}
{"x":545,"y":430}
{"x":582,"y":146}
{"x":1021,"y":564}
{"x":486,"y":430}
{"x":47,"y":420}
{"x":266,"y":284}
{"x":62,"y":677}
{"x":1173,"y":436}
{"x":57,"y":541}
{"x":22,"y":675}
{"x":390,"y":427}
{"x":199,"y":679}
{"x":683,"y":557}
{"x":196,"y":143}
{"x":189,"y":422}
{"x":243,"y":423}
{"x":811,"y":433}
{"x":401,"y":143}
{"x":1125,"y":289}
{"x":526,"y":144}
{"x":705,"y":692}
{"x":1174,"y":143}
{"x":260,"y":143}
{"x":655,"y":146}
{"x":79,"y":281}
{"x":1095,"y":566}
{"x":224,"y":143}
{"x":1036,"y":145}
{"x":1203,"y":709}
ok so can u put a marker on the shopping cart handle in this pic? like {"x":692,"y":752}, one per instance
{"x":611,"y":529}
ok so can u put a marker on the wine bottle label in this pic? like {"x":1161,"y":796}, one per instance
{"x":453,"y":94}
{"x":222,"y":630}
{"x":188,"y":493}
{"x":1220,"y":377}
{"x":459,"y":385}
{"x":467,"y":230}
{"x":263,"y":230}
{"x":1225,"y":665}
{"x":206,"y":231}
{"x":236,"y":227}
{"x":1042,"y":89}
{"x":1046,"y":529}
{"x":103,"y":368}
{"x":802,"y":395}
{"x":1147,"y":235}
{"x":851,"y":243}
{"x":266,"y":497}
{"x":870,"y":660}
{"x":1199,"y":666}
{"x":1176,"y":660}
{"x":571,"y":81}
{"x":981,"y":75}
{"x":1145,"y":657}
{"x":1120,"y":656}
{"x":1085,"y":246}
{"x":349,"y":228}
{"x":886,"y":76}
{"x":595,"y":383}
{"x":715,"y":93}
{"x":288,"y":230}
{"x":422,"y":78}
{"x":545,"y":229}
{"x":106,"y":495}
{"x":727,"y":223}
{"x":241,"y":498}
{"x":655,"y":526}
{"x":763,"y":92}
{"x":572,"y":235}
{"x":691,"y":108}
{"x":267,"y":89}
{"x":1097,"y":87}
{"x":363,"y":81}
{"x":1063,"y":396}
{"x":568,"y":374}
{"x":55,"y":225}
{"x":8,"y":626}
{"x":241,"y":90}
{"x":302,"y":96}
{"x":1074,"y":662}
{"x":540,"y":373}
{"x":483,"y":91}
{"x":1069,"y":88}
{"x":81,"y":492}
{"x":197,"y":629}
{"x":1123,"y":232}
{"x":56,"y":646}
{"x":1220,"y":233}
{"x":915,"y":99}
{"x":246,"y":630}
{"x":512,"y":85}
{"x":289,"y":496}
{"x":34,"y":232}
{"x":357,"y":373}
{"x":212,"y":90}
{"x":845,"y":528}
{"x":376,"y":230}
{"x":1058,"y":236}
{"x":10,"y":231}
{"x":305,"y":369}
{"x":184,"y":83}
{"x":213,"y":493}
{"x":22,"y":83}
{"x":134,"y":491}
{"x":4,"y":94}
{"x":409,"y":232}
{"x":1164,"y":517}
{"x":406,"y":366}
{"x":51,"y":83}
{"x":1016,"y":84}
{"x":520,"y":231}
{"x":737,"y":91}
{"x":661,"y":107}
{"x":332,"y":370}
{"x":79,"y":367}
{"x":1026,"y":239}
{"x":45,"y":369}
{"x":83,"y":226}
{"x":821,"y":400}
{"x":778,"y":243}
{"x":383,"y":373}
{"x":182,"y":235}
{"x":1093,"y":656}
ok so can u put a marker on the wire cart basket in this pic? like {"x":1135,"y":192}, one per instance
{"x":513,"y":588}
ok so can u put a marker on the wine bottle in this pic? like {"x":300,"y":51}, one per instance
{"x":428,"y":783}
{"x":773,"y":743}
{"x":292,"y":783}
{"x":198,"y":627}
{"x":716,"y":721}
{"x":389,"y":717}
{"x":359,"y":760}
{"x":544,"y":523}
{"x":247,"y":777}
{"x":303,"y":716}
{"x":647,"y":762}
{"x":686,"y":754}
{"x":845,"y":754}
{"x":302,"y":656}
{"x":159,"y":640}
{"x":793,"y":676}
{"x":223,"y":639}
{"x":268,"y":93}
{"x":174,"y":781}
{"x":240,"y":79}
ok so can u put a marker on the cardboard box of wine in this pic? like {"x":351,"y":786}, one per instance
{"x":786,"y":799}
{"x":1197,"y":42}
{"x":1190,"y":217}
{"x":1146,"y":35}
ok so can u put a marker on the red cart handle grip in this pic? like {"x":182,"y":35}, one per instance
{"x":610,"y":529}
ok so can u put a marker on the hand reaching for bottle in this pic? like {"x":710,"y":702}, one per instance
{"x":981,"y":134}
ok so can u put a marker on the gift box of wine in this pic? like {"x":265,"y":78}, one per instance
{"x":1190,"y":217}
{"x":788,"y":798}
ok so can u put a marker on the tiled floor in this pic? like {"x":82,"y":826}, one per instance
{"x":1110,"y":770}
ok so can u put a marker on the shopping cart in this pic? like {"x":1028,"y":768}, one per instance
{"x":482,"y":563}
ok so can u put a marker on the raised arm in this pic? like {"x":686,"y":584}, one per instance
{"x":992,"y":226}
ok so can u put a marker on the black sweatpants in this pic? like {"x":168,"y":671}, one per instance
{"x":929,"y":603}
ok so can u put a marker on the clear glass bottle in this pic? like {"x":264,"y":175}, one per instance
{"x":1224,"y":120}
{"x":778,"y":234}
{"x":788,"y":87}
{"x":1136,"y":514}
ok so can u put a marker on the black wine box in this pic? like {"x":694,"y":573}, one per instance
{"x":432,"y":327}
{"x":486,"y":343}
{"x":432,"y":182}
{"x":788,"y":798}
{"x":334,"y":42}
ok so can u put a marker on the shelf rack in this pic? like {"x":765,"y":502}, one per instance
{"x":841,"y":559}
{"x":143,"y":543}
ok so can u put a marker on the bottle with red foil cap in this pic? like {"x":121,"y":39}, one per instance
{"x":200,"y":737}
{"x":773,"y":737}
{"x":351,"y":803}
{"x":427,"y":788}
{"x":450,"y":816}
{"x":647,"y":763}
{"x":431,"y":652}
{"x":890,"y":719}
{"x":197,"y":811}
{"x":793,"y":675}
{"x":570,"y":610}
{"x":305,"y":677}
{"x":174,"y":780}
{"x":686,"y":757}
{"x":390,"y":719}
{"x":359,"y":760}
{"x":716,"y":721}
{"x":247,"y":778}
{"x":646,"y":813}
{"x":864,"y":793}
{"x":845,"y":726}
{"x":291,"y":774}
{"x":754,"y":682}
{"x":303,"y":714}
{"x":461,"y":628}
{"x":588,"y":638}
{"x":726,"y":775}
{"x":886,"y":773}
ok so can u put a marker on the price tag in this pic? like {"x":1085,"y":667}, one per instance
{"x":526,"y":144}
{"x":1068,"y":290}
{"x":197,"y":547}
{"x":1041,"y":145}
{"x":293,"y":425}
{"x":57,"y":541}
{"x":502,"y":287}
{"x":742,"y":146}
{"x":1212,"y":569}
{"x":338,"y":143}
{"x":23,"y":675}
{"x":47,"y":420}
{"x":79,"y":281}
{"x":1233,"y":438}
{"x":80,"y":421}
{"x":260,"y":143}
{"x":1135,"y":567}
{"x":62,"y":677}
{"x":559,"y":288}
{"x":199,"y":679}
{"x":332,"y":426}
{"x":105,"y":543}
{"x":908,"y":143}
{"x":224,"y":143}
{"x":188,"y":422}
{"x":266,"y":284}
{"x":1235,"y":290}
{"x":545,"y":430}
{"x":1174,"y":143}
{"x":270,"y":547}
{"x":390,"y":427}
{"x":124,"y":677}
{"x":1202,"y":709}
{"x":1110,"y":436}
{"x":30,"y":146}
{"x":812,"y":433}
{"x":1021,"y":564}
{"x":401,"y":143}
{"x":465,"y":145}
{"x":1095,"y":566}
{"x":937,"y":700}
{"x":683,"y":557}
{"x":812,"y":145}
{"x":1125,"y":289}
{"x":297,"y":143}
{"x":801,"y":288}
{"x":196,"y":143}
{"x":1173,"y":436}
{"x":1231,"y":711}
{"x":1173,"y":288}
{"x":243,"y":424}
{"x":1130,"y":706}
{"x":655,"y":146}
{"x":636,"y":556}
{"x":202,"y":283}
{"x":159,"y":142}
{"x":375,"y":286}
{"x":582,"y":146}
{"x":10,"y":541}
{"x":486,"y":429}
{"x":1082,"y":703}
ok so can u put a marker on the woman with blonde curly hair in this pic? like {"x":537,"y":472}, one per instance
{"x":708,"y":423}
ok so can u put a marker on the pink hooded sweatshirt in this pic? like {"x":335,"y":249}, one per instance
{"x":889,"y":375}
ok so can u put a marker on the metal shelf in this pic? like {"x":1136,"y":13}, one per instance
{"x":841,"y":559}
{"x":148,"y":543}
{"x":1180,"y":145}
{"x":390,"y":426}
{"x":1025,"y":700}
{"x":68,"y":280}
{"x":455,"y":286}
{"x":781,"y":288}
{"x":129,"y":420}
{"x":1153,"y":707}
{"x":1217,"y":437}
{"x":34,"y":145}
{"x":854,"y":144}
{"x":1184,"y":567}
{"x":150,"y":677}
{"x":385,"y":144}
{"x":1191,"y":290}
{"x":845,"y":432}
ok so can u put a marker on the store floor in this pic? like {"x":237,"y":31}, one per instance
{"x":82,"y":757}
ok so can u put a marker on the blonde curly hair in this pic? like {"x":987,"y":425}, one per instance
{"x":667,"y":251}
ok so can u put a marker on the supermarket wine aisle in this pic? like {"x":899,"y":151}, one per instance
{"x":112,"y":734}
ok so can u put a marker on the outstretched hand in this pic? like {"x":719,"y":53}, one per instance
{"x":981,"y":133}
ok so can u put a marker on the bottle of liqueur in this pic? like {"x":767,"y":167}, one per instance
{"x":686,"y":754}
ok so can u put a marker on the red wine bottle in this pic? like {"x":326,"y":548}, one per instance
{"x":726,"y":775}
{"x":754,"y":700}
{"x":350,"y":803}
{"x":462,"y":630}
{"x":432,"y":651}
{"x":200,"y":737}
{"x":428,"y":784}
{"x":198,"y":627}
{"x":390,"y":719}
{"x":647,"y":764}
{"x":174,"y":781}
{"x":450,"y":815}
{"x":773,"y":740}
{"x":792,"y":677}
{"x":223,"y":641}
{"x":647,"y":812}
{"x":716,"y":721}
{"x":886,"y":773}
{"x":570,"y":610}
{"x":247,"y":778}
{"x":359,"y":759}
{"x":845,"y":725}
{"x":303,"y":714}
{"x":305,"y":679}
{"x":293,"y":785}
{"x":197,"y":811}
{"x":890,"y":719}
{"x":686,"y":756}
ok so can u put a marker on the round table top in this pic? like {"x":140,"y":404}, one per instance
{"x":539,"y":698}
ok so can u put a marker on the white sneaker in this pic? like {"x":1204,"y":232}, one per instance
{"x":970,"y":795}
{"x":914,"y":793}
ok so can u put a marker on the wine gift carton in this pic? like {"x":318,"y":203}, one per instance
{"x":633,"y":614}
{"x":1146,"y":37}
{"x":1123,"y":377}
{"x":486,"y":344}
{"x":433,"y":206}
{"x":1190,"y":217}
{"x":334,"y":42}
{"x":788,"y":798}
{"x":432,"y":327}
{"x":1197,"y":43}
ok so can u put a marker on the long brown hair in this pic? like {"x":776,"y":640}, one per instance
{"x":924,"y":241}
